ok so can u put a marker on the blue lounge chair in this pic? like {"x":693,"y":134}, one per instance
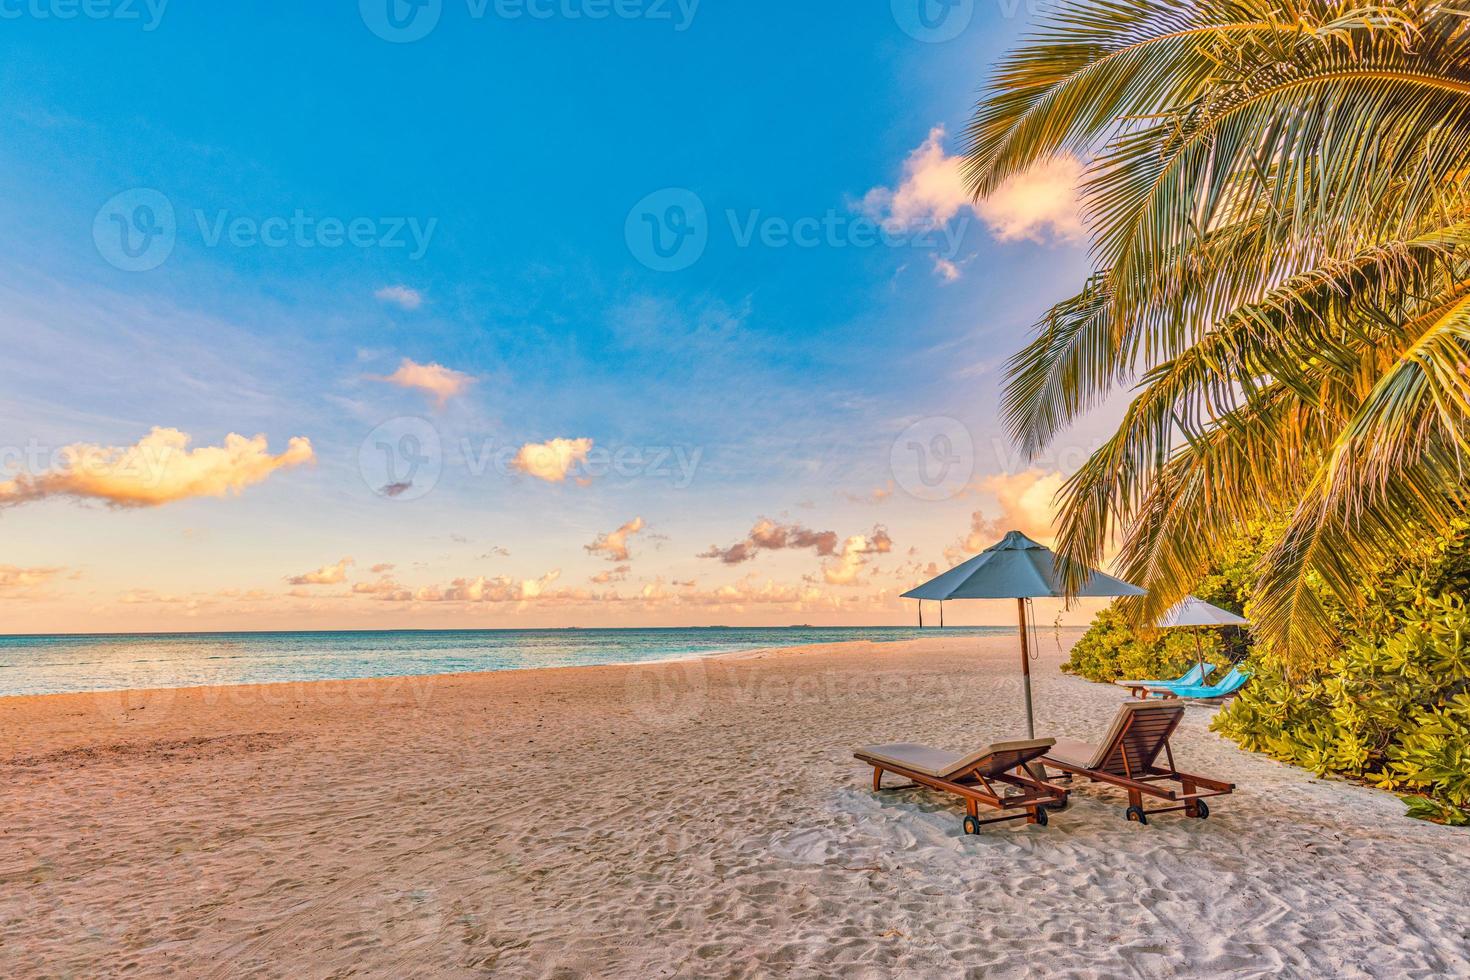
{"x":1192,"y":677}
{"x":1227,"y":686}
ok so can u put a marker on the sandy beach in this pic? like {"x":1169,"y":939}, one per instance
{"x":702,"y":818}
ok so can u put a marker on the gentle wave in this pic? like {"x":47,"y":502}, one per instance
{"x":54,"y":664}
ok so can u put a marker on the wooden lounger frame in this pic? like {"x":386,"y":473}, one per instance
{"x":1141,"y":774}
{"x":976,"y":787}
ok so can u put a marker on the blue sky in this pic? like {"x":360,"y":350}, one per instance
{"x":491,"y":167}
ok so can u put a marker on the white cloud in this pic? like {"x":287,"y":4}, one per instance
{"x":403,"y":296}
{"x":552,"y":460}
{"x":159,"y":469}
{"x":1040,"y":205}
{"x":435,"y":380}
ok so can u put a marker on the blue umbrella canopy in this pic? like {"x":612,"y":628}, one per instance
{"x":1021,"y":569}
{"x":1197,"y":612}
{"x":1016,"y":568}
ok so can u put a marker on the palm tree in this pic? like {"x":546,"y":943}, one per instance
{"x":1279,"y":208}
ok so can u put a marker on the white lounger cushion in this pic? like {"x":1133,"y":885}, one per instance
{"x":941,"y":764}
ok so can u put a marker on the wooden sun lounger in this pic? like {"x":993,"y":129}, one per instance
{"x":1128,"y":756}
{"x":973,"y":777}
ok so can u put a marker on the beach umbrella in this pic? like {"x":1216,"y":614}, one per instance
{"x":1197,"y":612}
{"x":1017,"y":568}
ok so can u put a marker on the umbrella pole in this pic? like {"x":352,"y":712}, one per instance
{"x":1199,"y":655}
{"x":941,"y":614}
{"x":921,"y":614}
{"x":1026,"y":669}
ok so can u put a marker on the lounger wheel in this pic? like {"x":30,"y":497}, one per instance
{"x":1201,"y":809}
{"x":1041,"y":817}
{"x":1136,"y":813}
{"x":972,"y":825}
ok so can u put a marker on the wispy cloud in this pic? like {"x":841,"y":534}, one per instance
{"x":435,"y":380}
{"x":18,"y":583}
{"x":159,"y":469}
{"x":614,"y":544}
{"x":402,"y":296}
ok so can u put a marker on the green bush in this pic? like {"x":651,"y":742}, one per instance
{"x":1111,"y":650}
{"x":1392,"y":706}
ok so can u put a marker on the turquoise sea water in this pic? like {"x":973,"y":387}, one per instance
{"x":109,"y":662}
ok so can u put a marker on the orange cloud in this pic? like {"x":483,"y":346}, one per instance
{"x":17,"y":582}
{"x":876,"y":496}
{"x":326,"y":575}
{"x":614,"y":544}
{"x":1027,"y":504}
{"x":435,"y":380}
{"x":853,"y":558}
{"x":500,"y":589}
{"x":553,"y":460}
{"x":1027,"y":501}
{"x":608,"y":576}
{"x":159,"y":469}
{"x":767,"y":535}
{"x":1039,"y":204}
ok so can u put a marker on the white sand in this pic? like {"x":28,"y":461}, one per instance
{"x":695,"y":819}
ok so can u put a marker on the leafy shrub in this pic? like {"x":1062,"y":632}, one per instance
{"x":1392,"y":707}
{"x":1112,"y":650}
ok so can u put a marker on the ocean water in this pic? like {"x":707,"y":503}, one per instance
{"x":121,"y":661}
